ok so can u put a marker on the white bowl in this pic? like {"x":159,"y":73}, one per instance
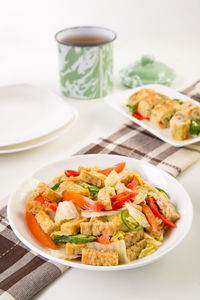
{"x":16,"y":213}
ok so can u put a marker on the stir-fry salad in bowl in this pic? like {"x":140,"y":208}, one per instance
{"x":103,"y":217}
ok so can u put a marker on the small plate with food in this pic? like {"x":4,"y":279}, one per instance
{"x":166,"y":113}
{"x":100,"y":212}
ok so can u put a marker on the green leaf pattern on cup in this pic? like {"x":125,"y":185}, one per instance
{"x":86,"y":72}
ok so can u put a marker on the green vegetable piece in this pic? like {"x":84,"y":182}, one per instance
{"x":83,"y":184}
{"x":56,"y":186}
{"x":160,"y":190}
{"x":92,"y":188}
{"x":195,"y":127}
{"x":178,"y":100}
{"x":128,"y":221}
{"x":132,"y":108}
{"x":77,"y":239}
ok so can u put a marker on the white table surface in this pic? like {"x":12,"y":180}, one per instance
{"x":179,"y":270}
{"x":176,"y":276}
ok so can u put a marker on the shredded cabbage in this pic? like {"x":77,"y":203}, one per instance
{"x":111,"y":191}
{"x":54,"y":234}
{"x":141,"y":196}
{"x":61,"y":253}
{"x":91,"y":214}
{"x":137,"y":215}
{"x":66,"y":211}
{"x":94,"y":168}
{"x":118,"y":236}
{"x":140,"y":180}
{"x":118,"y":221}
{"x":149,"y":249}
{"x":112,"y":179}
{"x":151,"y":240}
{"x":138,"y":207}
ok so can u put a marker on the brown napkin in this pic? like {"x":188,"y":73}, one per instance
{"x":24,"y":273}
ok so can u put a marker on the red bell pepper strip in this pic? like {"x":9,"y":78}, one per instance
{"x":82,"y":201}
{"x":118,"y":168}
{"x":38,"y":233}
{"x":121,"y":198}
{"x":150,"y":216}
{"x":52,"y":205}
{"x":69,"y":173}
{"x":152,"y":204}
{"x":116,"y":197}
{"x":139,"y":117}
{"x":133,"y":183}
{"x":104,"y":239}
{"x":121,"y":195}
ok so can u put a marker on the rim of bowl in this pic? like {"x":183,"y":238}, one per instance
{"x":85,"y":27}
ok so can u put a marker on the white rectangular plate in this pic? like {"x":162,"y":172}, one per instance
{"x":119,"y":100}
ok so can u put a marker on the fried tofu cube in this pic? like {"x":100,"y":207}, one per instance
{"x":38,"y":191}
{"x":159,"y":234}
{"x":91,"y":168}
{"x":35,"y":206}
{"x":44,"y":190}
{"x":99,"y":258}
{"x":126,"y":176}
{"x":73,"y":187}
{"x":52,"y":195}
{"x":134,"y":251}
{"x":120,"y":188}
{"x":104,"y":198}
{"x":131,"y":237}
{"x":74,"y":249}
{"x":98,"y":227}
{"x":45,"y":222}
{"x":59,"y":178}
{"x":93,"y":177}
{"x":166,"y":207}
{"x":72,"y":227}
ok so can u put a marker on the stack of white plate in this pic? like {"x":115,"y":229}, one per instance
{"x":31,"y":117}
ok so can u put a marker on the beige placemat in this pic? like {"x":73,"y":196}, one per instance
{"x":24,"y":273}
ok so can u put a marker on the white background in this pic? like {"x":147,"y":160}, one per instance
{"x":28,"y":53}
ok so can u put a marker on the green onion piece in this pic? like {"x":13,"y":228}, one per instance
{"x":161,"y":190}
{"x":128,"y":222}
{"x":178,"y":100}
{"x":132,"y":108}
{"x":77,"y":239}
{"x":56,"y":186}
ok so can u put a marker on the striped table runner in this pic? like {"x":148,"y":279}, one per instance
{"x":24,"y":273}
